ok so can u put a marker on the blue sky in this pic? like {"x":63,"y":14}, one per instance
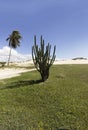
{"x":63,"y":23}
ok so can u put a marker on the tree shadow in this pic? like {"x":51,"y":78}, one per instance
{"x":22,"y":83}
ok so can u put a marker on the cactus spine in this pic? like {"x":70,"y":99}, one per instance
{"x":42,"y":58}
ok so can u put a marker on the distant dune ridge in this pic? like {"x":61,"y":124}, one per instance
{"x":72,"y":61}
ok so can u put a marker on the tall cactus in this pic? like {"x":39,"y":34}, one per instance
{"x":42,"y":58}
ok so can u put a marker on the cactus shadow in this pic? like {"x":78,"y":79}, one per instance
{"x":22,"y":83}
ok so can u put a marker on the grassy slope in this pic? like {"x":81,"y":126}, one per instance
{"x":61,"y":102}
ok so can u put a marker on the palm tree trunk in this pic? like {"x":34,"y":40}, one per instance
{"x":9,"y":56}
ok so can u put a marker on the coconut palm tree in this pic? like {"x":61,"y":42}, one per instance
{"x":14,"y":41}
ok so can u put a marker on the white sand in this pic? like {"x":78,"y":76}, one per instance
{"x":12,"y":72}
{"x":30,"y":63}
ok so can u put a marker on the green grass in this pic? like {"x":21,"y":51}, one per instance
{"x":61,"y":103}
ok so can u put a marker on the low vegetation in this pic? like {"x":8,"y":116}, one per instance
{"x":79,"y":58}
{"x":60,"y":103}
{"x":2,"y":64}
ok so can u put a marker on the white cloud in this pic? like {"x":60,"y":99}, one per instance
{"x":5,"y":51}
{"x":15,"y":56}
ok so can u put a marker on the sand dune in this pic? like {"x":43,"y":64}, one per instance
{"x":79,"y":61}
{"x":69,"y":61}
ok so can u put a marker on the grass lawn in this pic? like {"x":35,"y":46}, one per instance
{"x":61,"y":103}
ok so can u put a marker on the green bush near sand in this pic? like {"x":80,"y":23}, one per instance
{"x":61,"y":103}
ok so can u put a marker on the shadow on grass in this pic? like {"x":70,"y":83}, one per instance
{"x":22,"y":83}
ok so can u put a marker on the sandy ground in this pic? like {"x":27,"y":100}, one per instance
{"x":13,"y":72}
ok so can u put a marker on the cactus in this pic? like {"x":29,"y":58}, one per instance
{"x":42,"y":58}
